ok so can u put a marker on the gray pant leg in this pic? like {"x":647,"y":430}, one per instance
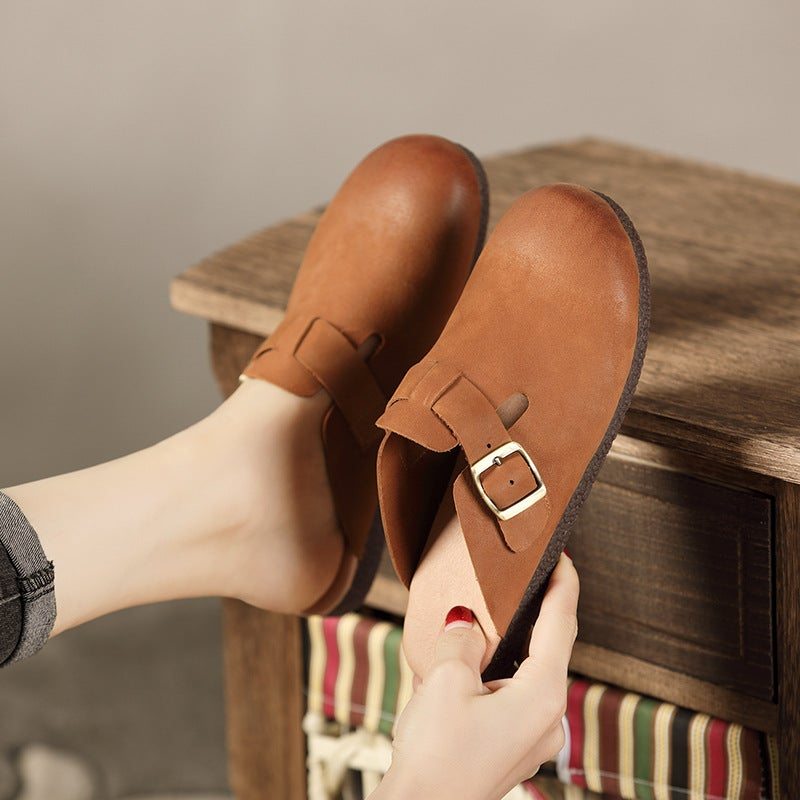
{"x":35,"y":581}
{"x":10,"y":607}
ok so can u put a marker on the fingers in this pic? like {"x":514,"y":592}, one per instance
{"x":557,"y":626}
{"x":459,"y":652}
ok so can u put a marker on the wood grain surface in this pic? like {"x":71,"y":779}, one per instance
{"x":723,"y":366}
{"x":678,"y":571}
{"x":788,"y":612}
{"x":264,"y":703}
{"x":651,"y":680}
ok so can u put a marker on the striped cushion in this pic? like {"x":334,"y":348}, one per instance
{"x":357,"y":674}
{"x":619,"y":744}
{"x":630,"y":746}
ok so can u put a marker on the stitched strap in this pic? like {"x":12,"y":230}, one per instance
{"x":473,"y":421}
{"x":479,"y":430}
{"x":333,"y":360}
{"x":330,"y":360}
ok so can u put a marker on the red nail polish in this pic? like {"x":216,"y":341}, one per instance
{"x":459,"y":615}
{"x":567,"y":554}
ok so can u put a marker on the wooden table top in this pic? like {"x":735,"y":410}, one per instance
{"x":722,"y":374}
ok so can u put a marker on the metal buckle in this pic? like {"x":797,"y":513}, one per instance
{"x":495,"y":459}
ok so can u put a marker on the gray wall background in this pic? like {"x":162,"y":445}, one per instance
{"x":136,"y":137}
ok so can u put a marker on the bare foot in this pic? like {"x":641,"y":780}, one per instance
{"x":237,"y":505}
{"x":288,"y":545}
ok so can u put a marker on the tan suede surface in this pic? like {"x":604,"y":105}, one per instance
{"x":389,"y":258}
{"x":550,"y":311}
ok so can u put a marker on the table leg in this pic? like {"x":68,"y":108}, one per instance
{"x":264,"y":703}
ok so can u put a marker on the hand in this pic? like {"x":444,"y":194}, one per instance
{"x":460,"y":738}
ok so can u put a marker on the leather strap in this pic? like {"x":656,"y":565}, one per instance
{"x":333,"y":361}
{"x":473,"y":421}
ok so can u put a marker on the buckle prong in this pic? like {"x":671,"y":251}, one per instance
{"x":495,"y":459}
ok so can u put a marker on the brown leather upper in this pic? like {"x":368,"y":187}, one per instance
{"x":389,"y":258}
{"x":551,"y":311}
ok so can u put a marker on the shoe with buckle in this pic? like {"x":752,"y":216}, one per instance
{"x":386,"y":264}
{"x":506,"y":421}
{"x":495,"y":459}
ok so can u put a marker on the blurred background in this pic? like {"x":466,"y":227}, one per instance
{"x":136,"y":137}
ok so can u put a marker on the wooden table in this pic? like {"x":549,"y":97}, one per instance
{"x":689,"y":547}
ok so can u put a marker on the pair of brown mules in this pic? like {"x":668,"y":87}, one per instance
{"x":496,"y":380}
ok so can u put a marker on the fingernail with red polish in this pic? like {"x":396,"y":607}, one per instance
{"x":459,"y":617}
{"x":567,"y":554}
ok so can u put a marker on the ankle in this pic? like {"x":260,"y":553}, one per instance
{"x":283,"y":542}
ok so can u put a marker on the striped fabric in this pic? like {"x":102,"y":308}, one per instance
{"x":619,"y":744}
{"x":625,"y":745}
{"x":357,"y":674}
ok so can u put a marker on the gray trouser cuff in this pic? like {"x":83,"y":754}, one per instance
{"x":35,"y":579}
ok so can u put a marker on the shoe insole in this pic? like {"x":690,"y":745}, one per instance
{"x":445,"y":576}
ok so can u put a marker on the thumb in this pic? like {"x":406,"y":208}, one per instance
{"x":460,"y":649}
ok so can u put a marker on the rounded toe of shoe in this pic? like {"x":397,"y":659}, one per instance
{"x":428,"y":177}
{"x":577,"y":249}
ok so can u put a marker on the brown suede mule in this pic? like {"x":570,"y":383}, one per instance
{"x":521,"y":395}
{"x":386,"y":265}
